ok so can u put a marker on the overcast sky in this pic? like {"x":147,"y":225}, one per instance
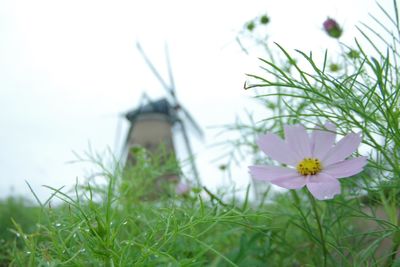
{"x":69,"y":68}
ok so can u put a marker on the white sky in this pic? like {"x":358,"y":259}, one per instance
{"x":68,"y":68}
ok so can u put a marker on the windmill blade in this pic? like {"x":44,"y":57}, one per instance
{"x":153,"y":69}
{"x":190,"y":152}
{"x":192,"y":122}
{"x":117,"y":140}
{"x":125,"y":148}
{"x":171,"y":77}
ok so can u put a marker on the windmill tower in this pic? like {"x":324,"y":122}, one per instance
{"x":153,"y":123}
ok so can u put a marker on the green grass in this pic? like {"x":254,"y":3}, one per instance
{"x":13,"y":210}
{"x":111,"y":226}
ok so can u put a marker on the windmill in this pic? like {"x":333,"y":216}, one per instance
{"x":154,"y":121}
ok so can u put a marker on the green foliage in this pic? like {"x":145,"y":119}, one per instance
{"x":14,"y":210}
{"x":108,"y":225}
{"x":142,"y":180}
{"x":101,"y":227}
{"x":360,"y":93}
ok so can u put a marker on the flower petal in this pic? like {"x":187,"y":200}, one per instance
{"x":344,"y":148}
{"x":295,"y":182}
{"x":269,"y":173}
{"x":277,"y":149}
{"x":322,"y":140}
{"x":346,"y":168}
{"x":323,"y":186}
{"x":297,"y":138}
{"x":280,"y":176}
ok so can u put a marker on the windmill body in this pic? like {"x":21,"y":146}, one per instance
{"x":151,"y":127}
{"x":152,"y":123}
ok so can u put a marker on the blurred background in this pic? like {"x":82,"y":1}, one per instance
{"x":69,"y":69}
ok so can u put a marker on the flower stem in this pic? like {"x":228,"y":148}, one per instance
{"x":395,"y":249}
{"x":321,"y":233}
{"x":295,"y":197}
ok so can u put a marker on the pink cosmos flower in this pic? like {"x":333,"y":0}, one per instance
{"x":182,"y":188}
{"x":318,"y":162}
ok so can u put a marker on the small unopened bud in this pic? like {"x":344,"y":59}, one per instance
{"x":332,"y":28}
{"x":353,"y":54}
{"x":222,"y":167}
{"x":334,"y":67}
{"x":250,"y":26}
{"x":264,"y":19}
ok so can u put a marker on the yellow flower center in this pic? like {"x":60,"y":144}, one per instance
{"x":309,"y":166}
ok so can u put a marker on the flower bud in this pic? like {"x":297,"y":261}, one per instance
{"x":250,"y":26}
{"x":264,"y":19}
{"x":332,"y":28}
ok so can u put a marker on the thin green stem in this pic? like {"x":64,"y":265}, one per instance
{"x":394,"y":250}
{"x":321,"y":233}
{"x":295,"y":197}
